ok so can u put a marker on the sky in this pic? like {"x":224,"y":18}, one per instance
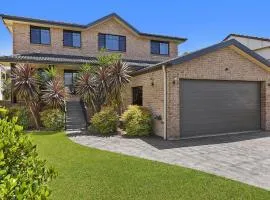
{"x":202,"y":22}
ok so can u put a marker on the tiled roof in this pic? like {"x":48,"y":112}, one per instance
{"x":202,"y":52}
{"x":247,"y":36}
{"x":26,"y":19}
{"x":66,"y":59}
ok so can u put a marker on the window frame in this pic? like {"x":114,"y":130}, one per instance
{"x":71,"y":31}
{"x":119,"y":46}
{"x":40,"y":41}
{"x":135,"y":101}
{"x":160,"y":42}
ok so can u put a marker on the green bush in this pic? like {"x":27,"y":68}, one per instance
{"x":3,"y":112}
{"x":52,"y":119}
{"x":23,"y":175}
{"x":137,"y":121}
{"x":22,"y":115}
{"x":105,"y":122}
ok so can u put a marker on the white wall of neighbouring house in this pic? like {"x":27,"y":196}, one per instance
{"x":259,"y":46}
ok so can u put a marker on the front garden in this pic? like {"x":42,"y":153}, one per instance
{"x":87,"y":173}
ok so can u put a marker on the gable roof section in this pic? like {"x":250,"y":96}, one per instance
{"x":205,"y":51}
{"x":112,"y":15}
{"x":247,"y":36}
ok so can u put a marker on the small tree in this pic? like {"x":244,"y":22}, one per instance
{"x":26,"y":87}
{"x":54,"y":93}
{"x":102,"y":84}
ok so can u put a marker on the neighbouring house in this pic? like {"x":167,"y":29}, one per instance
{"x":260,"y":45}
{"x":222,"y":88}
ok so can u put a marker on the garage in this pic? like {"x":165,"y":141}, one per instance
{"x":209,"y":107}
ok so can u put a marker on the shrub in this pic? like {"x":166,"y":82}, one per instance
{"x":22,"y":115}
{"x":105,"y":121}
{"x":52,"y":119}
{"x":137,"y":121}
{"x":3,"y":112}
{"x":23,"y":175}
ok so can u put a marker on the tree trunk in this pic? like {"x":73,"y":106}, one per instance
{"x":33,"y":114}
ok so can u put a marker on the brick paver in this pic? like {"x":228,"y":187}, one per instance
{"x":242,"y":157}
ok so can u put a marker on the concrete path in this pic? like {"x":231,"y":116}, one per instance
{"x":243,"y":157}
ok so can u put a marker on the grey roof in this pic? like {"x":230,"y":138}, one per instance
{"x":202,"y":52}
{"x":247,"y":36}
{"x":67,"y":59}
{"x":49,"y":22}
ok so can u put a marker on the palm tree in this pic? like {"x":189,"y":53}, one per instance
{"x":54,"y":93}
{"x":26,"y":87}
{"x":102,"y":84}
{"x":117,"y":79}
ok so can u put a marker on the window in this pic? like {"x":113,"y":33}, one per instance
{"x":159,"y":48}
{"x":137,"y":96}
{"x":40,"y":35}
{"x":111,"y":42}
{"x":72,"y":39}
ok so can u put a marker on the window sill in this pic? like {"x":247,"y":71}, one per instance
{"x":162,"y":55}
{"x":114,"y":51}
{"x":43,"y":45}
{"x":70,"y":47}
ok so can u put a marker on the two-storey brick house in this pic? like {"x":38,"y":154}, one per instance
{"x":67,"y":46}
{"x":220,"y":89}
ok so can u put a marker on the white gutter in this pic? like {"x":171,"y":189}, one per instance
{"x":164,"y":102}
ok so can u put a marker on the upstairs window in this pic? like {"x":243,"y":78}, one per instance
{"x":159,"y":48}
{"x":72,"y":39}
{"x":137,"y":96}
{"x":40,"y":35}
{"x":111,"y":42}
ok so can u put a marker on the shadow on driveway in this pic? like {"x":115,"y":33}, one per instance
{"x":159,"y":143}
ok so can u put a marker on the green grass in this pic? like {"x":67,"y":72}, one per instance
{"x":86,"y":173}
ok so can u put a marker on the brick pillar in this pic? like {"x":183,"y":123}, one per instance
{"x":265,"y":105}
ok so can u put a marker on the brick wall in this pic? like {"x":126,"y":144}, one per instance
{"x":138,"y":47}
{"x":152,"y":96}
{"x":211,"y":66}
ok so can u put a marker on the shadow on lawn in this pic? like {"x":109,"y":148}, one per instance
{"x":159,"y":143}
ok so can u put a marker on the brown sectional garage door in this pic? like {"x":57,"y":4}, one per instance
{"x":216,"y":107}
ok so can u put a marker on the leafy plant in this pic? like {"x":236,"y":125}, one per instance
{"x":23,"y":175}
{"x":22,"y":115}
{"x":52,"y":119}
{"x":3,"y":112}
{"x":137,"y":121}
{"x":54,"y":93}
{"x":105,"y":121}
{"x":26,"y":87}
{"x":6,"y":89}
{"x":102,"y":84}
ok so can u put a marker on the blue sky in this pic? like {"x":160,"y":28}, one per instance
{"x":202,"y":22}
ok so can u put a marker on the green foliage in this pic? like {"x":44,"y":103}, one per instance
{"x":105,"y":121}
{"x":23,"y":175}
{"x":101,"y":85}
{"x":137,"y":121}
{"x":52,"y":119}
{"x":3,"y":112}
{"x":22,"y":114}
{"x":6,"y":89}
{"x":54,"y":93}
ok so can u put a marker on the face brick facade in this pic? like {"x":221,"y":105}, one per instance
{"x":137,"y":47}
{"x":211,"y":66}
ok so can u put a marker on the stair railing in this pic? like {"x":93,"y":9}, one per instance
{"x":84,"y":109}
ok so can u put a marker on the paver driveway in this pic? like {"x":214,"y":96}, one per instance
{"x":242,"y":157}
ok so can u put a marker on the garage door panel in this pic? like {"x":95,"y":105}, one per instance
{"x":212,"y":107}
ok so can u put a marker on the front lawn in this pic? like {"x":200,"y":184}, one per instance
{"x":86,"y":173}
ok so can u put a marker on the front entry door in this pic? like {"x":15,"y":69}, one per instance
{"x":70,"y":79}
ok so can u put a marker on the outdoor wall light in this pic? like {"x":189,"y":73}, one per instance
{"x":174,"y":80}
